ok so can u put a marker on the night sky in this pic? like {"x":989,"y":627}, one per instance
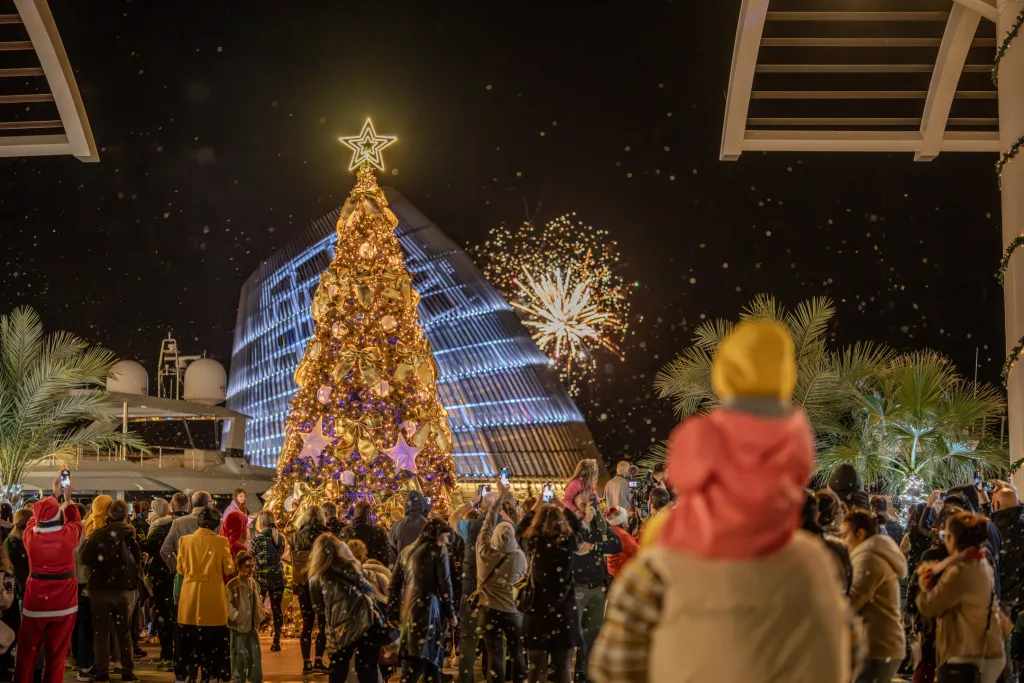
{"x":217,"y":125}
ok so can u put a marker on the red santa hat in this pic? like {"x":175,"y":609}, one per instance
{"x":47,"y":514}
{"x":617,"y":516}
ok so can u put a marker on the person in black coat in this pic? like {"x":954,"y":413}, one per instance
{"x":551,"y":624}
{"x":312,"y":525}
{"x":375,"y":538}
{"x":420,"y":601}
{"x":1008,"y":516}
{"x":113,"y":555}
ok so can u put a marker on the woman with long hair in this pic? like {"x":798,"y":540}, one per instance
{"x":959,"y":594}
{"x":237,"y":504}
{"x":376,"y":573}
{"x":339,"y":590}
{"x":583,"y":479}
{"x":312,"y":525}
{"x":268,"y":546}
{"x":421,"y":601}
{"x":551,"y":535}
{"x":499,"y":566}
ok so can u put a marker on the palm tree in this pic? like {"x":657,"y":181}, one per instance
{"x":826,"y":378}
{"x":51,"y":399}
{"x":918,"y":421}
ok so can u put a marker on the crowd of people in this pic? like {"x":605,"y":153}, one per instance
{"x":719,"y":565}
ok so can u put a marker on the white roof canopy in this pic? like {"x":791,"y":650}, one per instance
{"x":41,"y":111}
{"x":894,"y":76}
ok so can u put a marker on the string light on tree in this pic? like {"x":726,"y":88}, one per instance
{"x":366,"y":417}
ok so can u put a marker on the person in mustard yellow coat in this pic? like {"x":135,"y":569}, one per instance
{"x":204,"y":561}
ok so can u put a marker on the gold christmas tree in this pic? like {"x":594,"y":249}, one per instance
{"x":366,"y":419}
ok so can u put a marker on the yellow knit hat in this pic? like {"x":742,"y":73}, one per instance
{"x":755,"y":359}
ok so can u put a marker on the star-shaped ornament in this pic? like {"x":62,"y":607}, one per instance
{"x":367,"y":147}
{"x":314,"y":443}
{"x":404,"y":455}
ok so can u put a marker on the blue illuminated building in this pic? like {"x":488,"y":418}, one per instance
{"x":505,"y":404}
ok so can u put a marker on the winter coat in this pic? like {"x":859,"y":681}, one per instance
{"x":335,"y":526}
{"x":878,"y":566}
{"x":617,"y":493}
{"x":50,"y":546}
{"x":957,"y":593}
{"x":675,"y":616}
{"x":552,"y":619}
{"x":420,"y":599}
{"x":497,"y":570}
{"x":113,"y":555}
{"x":629,"y":550}
{"x":344,"y":596}
{"x":204,"y":559}
{"x":379,"y":577}
{"x":233,"y":527}
{"x":154,"y":541}
{"x":405,"y":531}
{"x":268,"y":547}
{"x":1010,"y":522}
{"x":19,"y":558}
{"x":245,"y":608}
{"x":181,"y":526}
{"x":375,"y":538}
{"x":590,"y":570}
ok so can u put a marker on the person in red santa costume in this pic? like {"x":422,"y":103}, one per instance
{"x":51,"y":591}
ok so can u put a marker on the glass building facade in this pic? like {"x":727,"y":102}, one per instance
{"x":505,"y":404}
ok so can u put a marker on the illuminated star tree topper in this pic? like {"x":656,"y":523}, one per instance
{"x":367,"y":147}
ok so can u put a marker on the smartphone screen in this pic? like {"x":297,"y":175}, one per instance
{"x":485,"y":489}
{"x":942,"y":496}
{"x":548,"y":495}
{"x":65,"y":479}
{"x":977,"y":478}
{"x":633,"y":483}
{"x":505,"y":476}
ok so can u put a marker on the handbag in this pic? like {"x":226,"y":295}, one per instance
{"x":523,"y":591}
{"x":474,"y":598}
{"x":966,"y":672}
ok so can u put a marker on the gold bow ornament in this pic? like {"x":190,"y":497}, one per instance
{"x":364,"y":360}
{"x":358,"y":433}
{"x":432,"y":428}
{"x":418,"y":362}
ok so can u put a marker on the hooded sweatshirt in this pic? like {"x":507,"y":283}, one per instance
{"x":498,"y":569}
{"x":878,"y":567}
{"x":50,"y":546}
{"x":406,"y":530}
{"x":739,"y":480}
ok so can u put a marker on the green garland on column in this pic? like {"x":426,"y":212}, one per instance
{"x":1005,"y":263}
{"x":1011,"y":359}
{"x":1007,"y":157}
{"x":1005,"y":45}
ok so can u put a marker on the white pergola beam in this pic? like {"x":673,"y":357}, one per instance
{"x":986,"y":8}
{"x":949,"y":64}
{"x":741,"y":79}
{"x":864,"y":141}
{"x":38,"y":21}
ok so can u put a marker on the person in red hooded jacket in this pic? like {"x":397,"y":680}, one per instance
{"x":51,"y":591}
{"x":233,"y":528}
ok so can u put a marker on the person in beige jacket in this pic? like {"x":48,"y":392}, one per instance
{"x":878,"y":566}
{"x":958,"y":594}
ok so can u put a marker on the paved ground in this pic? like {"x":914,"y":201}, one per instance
{"x":278,"y":667}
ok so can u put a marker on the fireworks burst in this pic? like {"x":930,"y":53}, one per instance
{"x":561,"y":279}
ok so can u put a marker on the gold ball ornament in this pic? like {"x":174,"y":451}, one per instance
{"x":367,"y":250}
{"x":323,"y":394}
{"x":389,"y":323}
{"x":338,"y":330}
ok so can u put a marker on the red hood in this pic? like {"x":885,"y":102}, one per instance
{"x":739,"y":480}
{"x":233,"y":526}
